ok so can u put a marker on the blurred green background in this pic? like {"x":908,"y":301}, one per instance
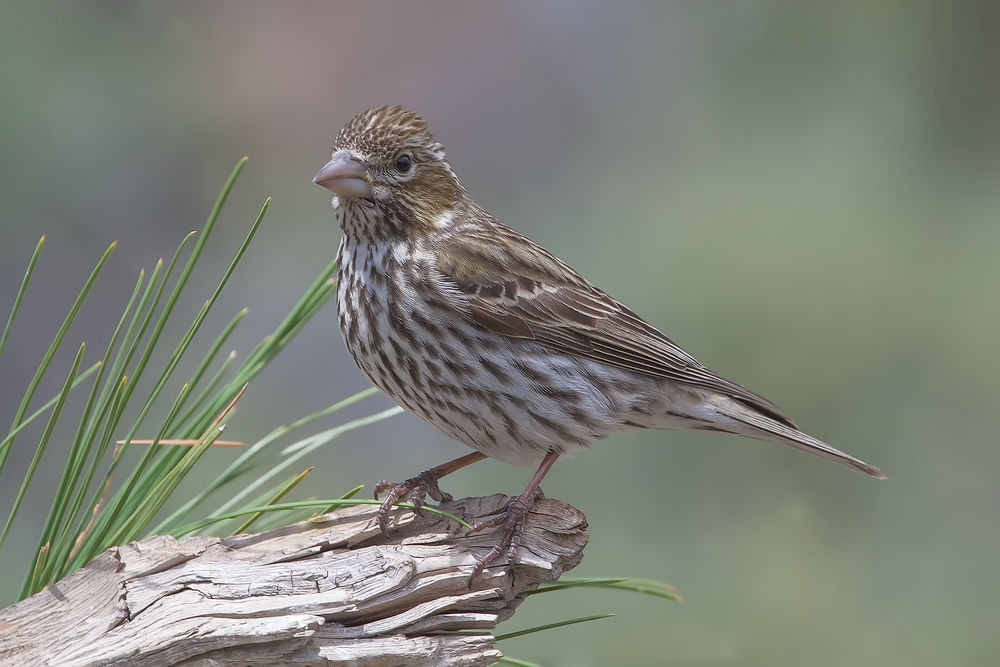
{"x":806,"y":196}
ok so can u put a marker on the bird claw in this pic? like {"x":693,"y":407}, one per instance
{"x":413,"y":490}
{"x":512,"y":519}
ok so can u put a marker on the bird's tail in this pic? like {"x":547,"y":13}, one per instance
{"x":751,"y":423}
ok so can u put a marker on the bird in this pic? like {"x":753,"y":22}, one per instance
{"x":492,"y":339}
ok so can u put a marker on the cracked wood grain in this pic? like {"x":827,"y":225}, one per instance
{"x":328,"y":591}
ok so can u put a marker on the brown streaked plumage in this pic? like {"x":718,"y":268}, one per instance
{"x":492,"y":339}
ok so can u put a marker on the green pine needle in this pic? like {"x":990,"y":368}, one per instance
{"x":550,"y":626}
{"x":646,"y":586}
{"x":274,"y":501}
{"x":307,"y":504}
{"x":507,"y":660}
{"x":40,"y":450}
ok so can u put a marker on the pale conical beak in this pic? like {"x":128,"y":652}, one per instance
{"x":345,"y":177}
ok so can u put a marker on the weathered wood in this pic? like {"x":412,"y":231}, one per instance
{"x":328,"y":591}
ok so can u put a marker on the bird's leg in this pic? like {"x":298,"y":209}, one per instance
{"x":418,"y":487}
{"x":512,"y":520}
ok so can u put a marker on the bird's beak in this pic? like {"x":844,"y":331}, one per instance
{"x":345,"y":177}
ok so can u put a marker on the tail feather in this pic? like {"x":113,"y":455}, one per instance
{"x":764,"y":428}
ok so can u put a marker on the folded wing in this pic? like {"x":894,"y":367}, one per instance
{"x":516,"y":288}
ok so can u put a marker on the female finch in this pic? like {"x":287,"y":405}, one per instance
{"x":492,"y":339}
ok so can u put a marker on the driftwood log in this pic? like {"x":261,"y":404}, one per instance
{"x":327,"y":591}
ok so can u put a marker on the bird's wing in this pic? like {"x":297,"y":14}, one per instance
{"x":516,"y":288}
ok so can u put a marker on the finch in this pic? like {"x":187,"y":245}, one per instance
{"x":493,"y":340}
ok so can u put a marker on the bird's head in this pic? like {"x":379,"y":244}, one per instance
{"x":391,"y":178}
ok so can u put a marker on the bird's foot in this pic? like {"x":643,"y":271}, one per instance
{"x":512,"y":519}
{"x":414,"y":490}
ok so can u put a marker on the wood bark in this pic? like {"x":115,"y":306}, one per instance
{"x":328,"y":591}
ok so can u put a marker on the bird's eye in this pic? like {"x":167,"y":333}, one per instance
{"x":403,"y":163}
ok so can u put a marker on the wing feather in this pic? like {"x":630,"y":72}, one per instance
{"x":516,"y":288}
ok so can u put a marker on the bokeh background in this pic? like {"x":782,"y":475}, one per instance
{"x":806,"y":196}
